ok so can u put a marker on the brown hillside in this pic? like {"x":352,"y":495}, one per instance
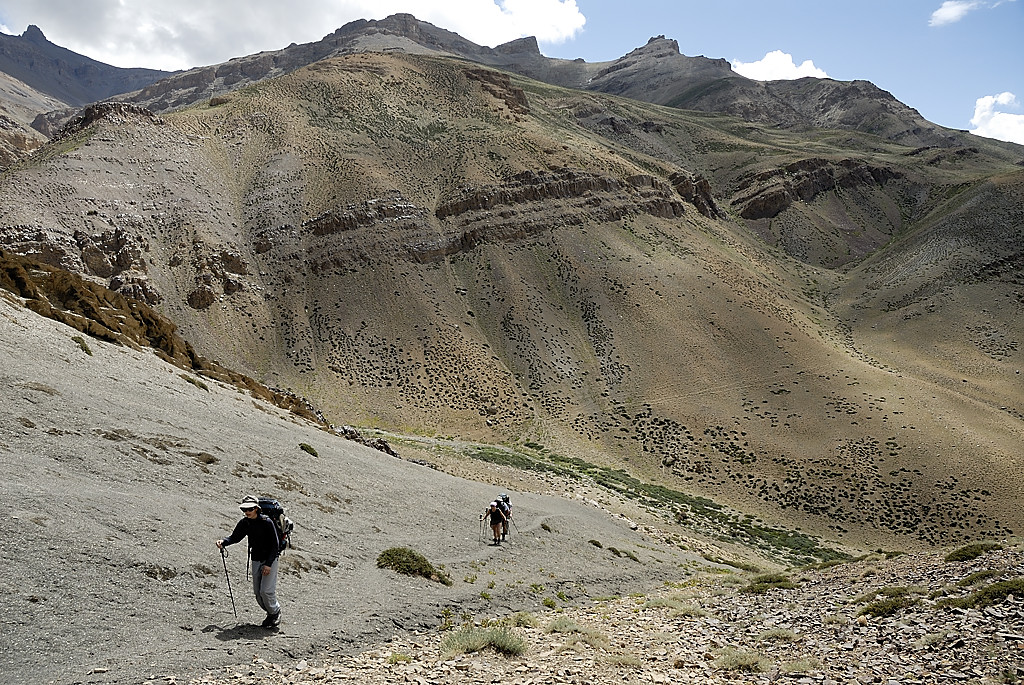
{"x":425,"y":246}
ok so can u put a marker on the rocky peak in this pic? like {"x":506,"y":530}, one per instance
{"x":657,"y":46}
{"x":34,"y":35}
{"x":519,"y":46}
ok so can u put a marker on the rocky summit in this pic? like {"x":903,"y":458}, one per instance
{"x":706,"y":330}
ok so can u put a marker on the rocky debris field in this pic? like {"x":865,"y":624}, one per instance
{"x":828,"y":628}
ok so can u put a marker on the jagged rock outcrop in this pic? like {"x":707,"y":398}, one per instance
{"x":697,"y":191}
{"x":106,"y":315}
{"x":117,"y":112}
{"x":368,"y":213}
{"x":766,"y":195}
{"x":500,"y":86}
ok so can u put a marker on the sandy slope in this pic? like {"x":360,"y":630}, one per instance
{"x":119,"y":475}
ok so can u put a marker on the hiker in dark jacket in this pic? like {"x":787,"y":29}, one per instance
{"x":264,"y":548}
{"x":496,"y":519}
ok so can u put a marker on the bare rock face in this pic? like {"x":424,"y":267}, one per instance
{"x":111,"y":316}
{"x":697,"y":191}
{"x":201,"y":298}
{"x":500,"y":86}
{"x":16,"y":141}
{"x":767,"y":194}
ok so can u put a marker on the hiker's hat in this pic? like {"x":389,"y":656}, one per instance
{"x":494,"y":504}
{"x":248,"y":502}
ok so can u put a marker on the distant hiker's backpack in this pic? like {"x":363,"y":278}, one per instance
{"x":273,"y":510}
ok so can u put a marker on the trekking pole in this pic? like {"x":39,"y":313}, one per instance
{"x":224,"y":560}
{"x":512,"y":519}
{"x":481,"y":538}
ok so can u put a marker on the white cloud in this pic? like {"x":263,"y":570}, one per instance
{"x":952,"y":11}
{"x":990,"y":122}
{"x":188,"y":33}
{"x":777,"y":66}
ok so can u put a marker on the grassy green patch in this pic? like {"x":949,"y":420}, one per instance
{"x":808,"y":665}
{"x":467,"y":639}
{"x":742,"y":660}
{"x":988,"y":595}
{"x":768,"y":581}
{"x":574,"y":632}
{"x":977,"y":577}
{"x":972,"y":551}
{"x":406,"y":561}
{"x":82,"y":344}
{"x":308,"y":449}
{"x":887,"y":606}
{"x":777,"y":635}
{"x":700,"y":511}
{"x":522,"y":619}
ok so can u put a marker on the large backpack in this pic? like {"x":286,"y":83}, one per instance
{"x":273,"y":510}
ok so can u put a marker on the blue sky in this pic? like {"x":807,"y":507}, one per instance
{"x":959,"y":62}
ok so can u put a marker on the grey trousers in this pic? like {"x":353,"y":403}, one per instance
{"x":265,"y":587}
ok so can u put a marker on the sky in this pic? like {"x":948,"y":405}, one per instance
{"x":960,"y":63}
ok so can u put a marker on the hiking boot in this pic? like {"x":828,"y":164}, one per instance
{"x":272,"y":620}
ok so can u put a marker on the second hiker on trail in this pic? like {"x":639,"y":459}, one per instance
{"x":497,"y":518}
{"x":264,"y":550}
{"x":505,"y":504}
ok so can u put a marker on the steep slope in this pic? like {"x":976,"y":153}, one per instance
{"x":120,"y":471}
{"x":421,"y":244}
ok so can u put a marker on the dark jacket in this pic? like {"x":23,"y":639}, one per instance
{"x":496,"y":515}
{"x":264,"y":545}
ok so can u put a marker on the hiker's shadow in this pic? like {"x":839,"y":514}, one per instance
{"x":243,"y":631}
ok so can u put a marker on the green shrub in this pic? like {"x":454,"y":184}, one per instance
{"x":777,"y":635}
{"x":467,"y":639}
{"x":763,"y":583}
{"x":977,"y":577}
{"x":887,"y":607}
{"x":577,"y":633}
{"x":549,"y":603}
{"x":986,"y":596}
{"x":972,"y":551}
{"x":808,"y":665}
{"x":522,"y":619}
{"x":406,"y":561}
{"x":308,"y":448}
{"x":82,"y":344}
{"x":596,"y":543}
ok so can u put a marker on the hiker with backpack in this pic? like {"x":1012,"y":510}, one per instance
{"x":506,"y":508}
{"x":264,"y":552}
{"x":496,"y":519}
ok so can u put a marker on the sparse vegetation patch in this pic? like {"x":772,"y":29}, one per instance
{"x":768,"y":581}
{"x":466,"y":639}
{"x":406,"y":561}
{"x":972,"y":551}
